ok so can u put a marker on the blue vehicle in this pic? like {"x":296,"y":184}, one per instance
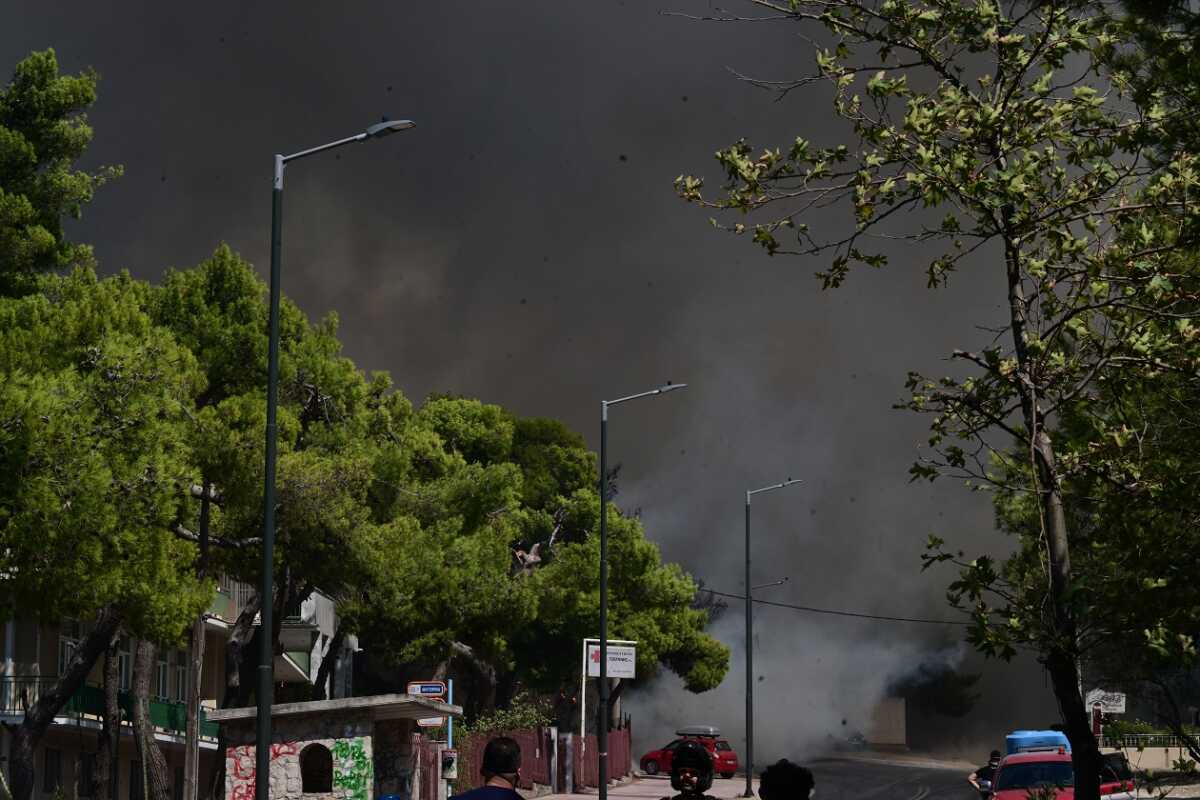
{"x":1037,"y":742}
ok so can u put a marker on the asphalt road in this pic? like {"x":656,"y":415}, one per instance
{"x":836,"y":780}
{"x":859,"y":780}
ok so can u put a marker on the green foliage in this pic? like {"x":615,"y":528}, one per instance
{"x":119,"y":396}
{"x":410,"y":518}
{"x":1047,"y":148}
{"x":526,"y":711}
{"x":93,"y":405}
{"x":43,"y":132}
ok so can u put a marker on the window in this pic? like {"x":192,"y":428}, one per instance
{"x":1035,"y":774}
{"x":177,"y":788}
{"x":69,"y":634}
{"x":162,"y":688}
{"x":52,"y":771}
{"x":181,"y":676}
{"x":135,"y":780}
{"x":124,"y":664}
{"x":86,"y":777}
{"x":316,"y":769}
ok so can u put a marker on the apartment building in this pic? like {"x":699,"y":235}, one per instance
{"x":34,"y":653}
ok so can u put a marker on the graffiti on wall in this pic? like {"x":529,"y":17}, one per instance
{"x":243,"y":769}
{"x":352,"y":768}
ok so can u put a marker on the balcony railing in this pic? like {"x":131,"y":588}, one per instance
{"x":18,"y":694}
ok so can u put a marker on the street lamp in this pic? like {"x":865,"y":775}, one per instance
{"x":750,"y":638}
{"x":262,"y":783}
{"x":602,"y":716}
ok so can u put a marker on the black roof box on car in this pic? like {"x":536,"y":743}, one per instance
{"x":699,"y":730}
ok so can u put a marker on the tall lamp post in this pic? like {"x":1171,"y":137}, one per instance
{"x":750,"y":639}
{"x":602,"y":712}
{"x":262,"y":780}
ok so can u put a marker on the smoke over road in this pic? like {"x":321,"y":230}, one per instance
{"x":524,"y":245}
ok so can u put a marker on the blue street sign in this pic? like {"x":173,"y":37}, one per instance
{"x":431,"y":689}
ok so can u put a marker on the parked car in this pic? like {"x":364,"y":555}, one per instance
{"x":725,"y":760}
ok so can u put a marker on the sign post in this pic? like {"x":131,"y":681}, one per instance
{"x":622,"y":658}
{"x":431,"y":690}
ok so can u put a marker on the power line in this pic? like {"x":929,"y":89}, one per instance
{"x":836,"y":613}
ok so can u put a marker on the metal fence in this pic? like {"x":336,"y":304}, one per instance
{"x":537,"y":750}
{"x":535,"y":757}
{"x":586,"y":757}
{"x":426,"y":767}
{"x":1137,"y":741}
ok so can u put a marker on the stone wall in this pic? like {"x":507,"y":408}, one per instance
{"x":347,"y":736}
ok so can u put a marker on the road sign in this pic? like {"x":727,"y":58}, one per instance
{"x":430,"y":690}
{"x":1109,"y":702}
{"x":621,"y":660}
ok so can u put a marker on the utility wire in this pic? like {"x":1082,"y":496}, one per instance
{"x":856,"y":614}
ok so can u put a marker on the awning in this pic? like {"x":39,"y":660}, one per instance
{"x":381,"y":706}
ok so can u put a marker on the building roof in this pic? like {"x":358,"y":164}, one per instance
{"x":380,"y":706}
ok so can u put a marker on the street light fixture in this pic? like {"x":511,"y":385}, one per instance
{"x":262,"y":784}
{"x":779,"y":582}
{"x":602,"y":716}
{"x":750,"y":637}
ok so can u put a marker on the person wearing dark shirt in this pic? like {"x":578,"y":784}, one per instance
{"x":985,"y":774}
{"x":691,"y":771}
{"x":784,"y":780}
{"x":501,"y":771}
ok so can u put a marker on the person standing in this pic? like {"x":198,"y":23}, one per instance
{"x":982,"y":778}
{"x":501,"y":771}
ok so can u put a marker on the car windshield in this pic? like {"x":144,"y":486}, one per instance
{"x":723,"y":746}
{"x":1116,"y":768}
{"x":1035,"y":773}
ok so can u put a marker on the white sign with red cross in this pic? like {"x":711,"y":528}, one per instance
{"x":621,"y":660}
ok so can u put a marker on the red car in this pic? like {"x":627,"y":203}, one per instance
{"x":1019,"y":773}
{"x":725,"y":760}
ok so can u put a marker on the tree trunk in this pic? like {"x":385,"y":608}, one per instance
{"x":110,"y":733}
{"x":157,"y":785}
{"x":191,"y":745}
{"x":329,"y":664}
{"x":237,"y":694}
{"x":487,"y":702}
{"x":237,"y":691}
{"x":1061,"y":654}
{"x":27,"y":735}
{"x":614,"y":703}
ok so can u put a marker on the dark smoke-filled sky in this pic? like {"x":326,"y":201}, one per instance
{"x":524,"y":245}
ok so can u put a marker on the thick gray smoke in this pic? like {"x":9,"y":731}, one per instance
{"x":524,"y":245}
{"x":807,"y":698}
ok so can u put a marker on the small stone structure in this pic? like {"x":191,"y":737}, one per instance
{"x":353,"y":748}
